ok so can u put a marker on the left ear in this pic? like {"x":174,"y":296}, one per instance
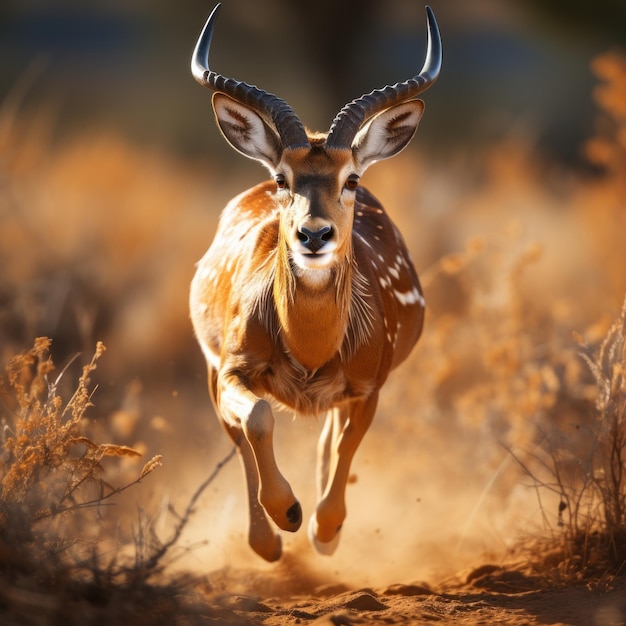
{"x":386,"y":133}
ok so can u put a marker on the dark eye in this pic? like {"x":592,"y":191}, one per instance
{"x":281,"y":182}
{"x":352,"y":182}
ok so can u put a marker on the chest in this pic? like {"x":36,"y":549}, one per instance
{"x":287,"y":383}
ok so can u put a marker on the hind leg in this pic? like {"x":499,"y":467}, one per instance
{"x":326,"y":460}
{"x":326,"y":450}
{"x":338,"y":444}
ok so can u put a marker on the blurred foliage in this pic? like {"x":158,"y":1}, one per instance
{"x":127,"y":65}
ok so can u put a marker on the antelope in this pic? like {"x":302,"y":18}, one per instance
{"x":307,"y":296}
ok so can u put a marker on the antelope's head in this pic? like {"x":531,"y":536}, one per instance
{"x":316,"y":174}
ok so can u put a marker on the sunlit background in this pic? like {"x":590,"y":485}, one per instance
{"x":124,"y":66}
{"x":511,"y":198}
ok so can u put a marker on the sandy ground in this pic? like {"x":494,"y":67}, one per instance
{"x":426,"y":540}
{"x":489,"y":595}
{"x":389,"y":570}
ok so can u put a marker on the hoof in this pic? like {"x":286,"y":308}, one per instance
{"x":325,"y":548}
{"x":294,"y":516}
{"x":270,"y":550}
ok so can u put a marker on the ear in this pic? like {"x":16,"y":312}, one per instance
{"x":246,"y":131}
{"x":387,"y":133}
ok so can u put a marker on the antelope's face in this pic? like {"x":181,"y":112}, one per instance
{"x":316,"y":174}
{"x":316,"y":191}
{"x":316,"y":179}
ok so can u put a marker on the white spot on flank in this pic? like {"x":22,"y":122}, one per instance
{"x":410,"y":297}
{"x":384,"y":281}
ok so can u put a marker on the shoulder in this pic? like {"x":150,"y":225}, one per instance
{"x":254,"y":203}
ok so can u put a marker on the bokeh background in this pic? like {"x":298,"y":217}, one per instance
{"x":124,"y":65}
{"x":511,"y":198}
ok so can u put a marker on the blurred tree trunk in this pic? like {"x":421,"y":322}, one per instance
{"x":327,"y":28}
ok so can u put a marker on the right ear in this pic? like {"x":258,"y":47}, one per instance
{"x":387,"y":133}
{"x":246,"y":131}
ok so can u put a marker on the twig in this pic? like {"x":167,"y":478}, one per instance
{"x":153,"y":561}
{"x":481,"y":498}
{"x":89,"y":503}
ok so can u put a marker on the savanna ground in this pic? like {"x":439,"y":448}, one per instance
{"x":491,"y":486}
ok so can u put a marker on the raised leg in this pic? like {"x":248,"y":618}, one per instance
{"x":243,"y":411}
{"x":338,"y":444}
{"x":261,"y":535}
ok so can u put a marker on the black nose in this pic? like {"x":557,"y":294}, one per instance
{"x":314,"y":240}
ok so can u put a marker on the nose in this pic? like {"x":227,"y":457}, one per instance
{"x":314,"y":240}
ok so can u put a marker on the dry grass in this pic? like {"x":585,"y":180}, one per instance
{"x":51,"y":473}
{"x":578,"y":464}
{"x":57,"y":555}
{"x":583,"y":464}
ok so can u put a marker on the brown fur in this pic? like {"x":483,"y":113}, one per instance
{"x":270,"y":330}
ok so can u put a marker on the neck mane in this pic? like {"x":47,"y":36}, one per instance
{"x":316,"y":318}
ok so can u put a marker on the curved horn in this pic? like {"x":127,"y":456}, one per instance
{"x":274,"y":109}
{"x":348,"y":121}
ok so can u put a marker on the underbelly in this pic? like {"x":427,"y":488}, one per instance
{"x":304,"y":393}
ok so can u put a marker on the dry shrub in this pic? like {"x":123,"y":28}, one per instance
{"x":578,"y":466}
{"x":607,"y":464}
{"x":583,"y":464}
{"x":52,"y":475}
{"x":59,"y":558}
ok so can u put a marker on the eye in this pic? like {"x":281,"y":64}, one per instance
{"x":352,"y":182}
{"x":281,"y":182}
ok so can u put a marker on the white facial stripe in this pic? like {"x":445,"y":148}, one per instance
{"x":346,"y":170}
{"x":283,"y":168}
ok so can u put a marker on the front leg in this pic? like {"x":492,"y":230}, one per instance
{"x":240,"y":407}
{"x":262,"y":537}
{"x":342,"y":435}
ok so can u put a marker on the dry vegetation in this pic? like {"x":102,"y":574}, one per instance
{"x":98,"y":242}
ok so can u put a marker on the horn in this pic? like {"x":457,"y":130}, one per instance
{"x":273,"y":109}
{"x":348,"y":121}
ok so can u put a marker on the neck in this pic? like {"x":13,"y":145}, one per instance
{"x":313,"y":310}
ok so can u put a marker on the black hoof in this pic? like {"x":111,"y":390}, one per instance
{"x":294,"y":515}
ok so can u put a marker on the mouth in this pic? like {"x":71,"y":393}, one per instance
{"x":312,"y":260}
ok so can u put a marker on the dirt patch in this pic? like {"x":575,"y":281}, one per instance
{"x":490,"y":595}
